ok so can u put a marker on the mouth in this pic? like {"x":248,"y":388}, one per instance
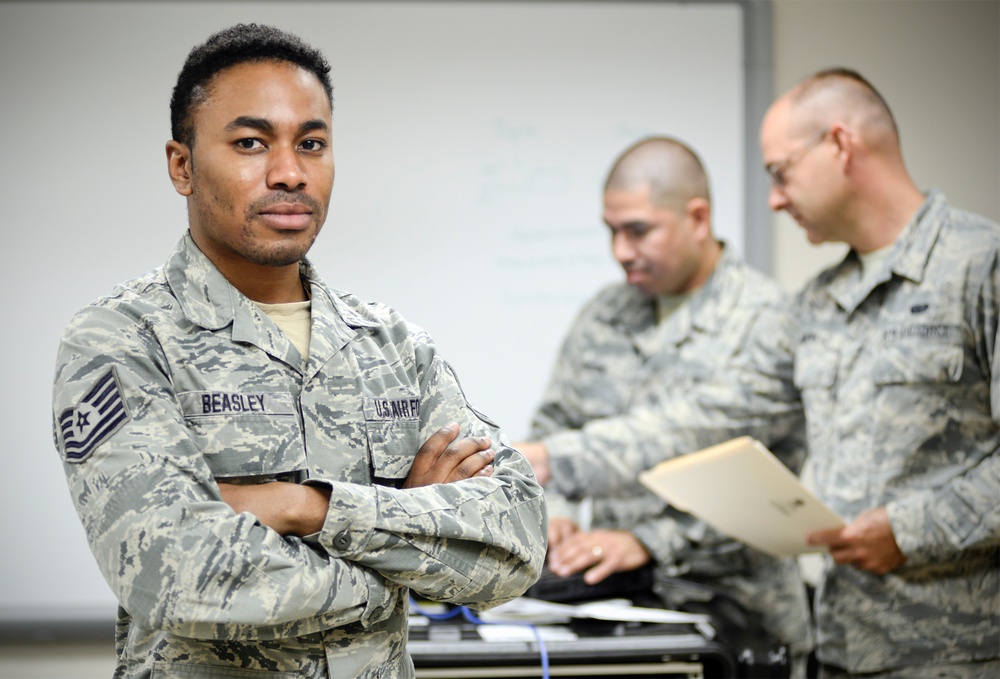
{"x":634,"y":273}
{"x":287,"y":216}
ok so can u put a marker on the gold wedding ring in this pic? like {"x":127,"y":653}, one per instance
{"x":598,"y":551}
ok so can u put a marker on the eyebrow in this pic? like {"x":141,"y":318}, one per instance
{"x":265,"y":125}
{"x":630,"y":225}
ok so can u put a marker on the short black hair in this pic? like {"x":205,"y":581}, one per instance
{"x":238,"y":44}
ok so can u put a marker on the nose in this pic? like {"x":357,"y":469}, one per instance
{"x":776,"y":198}
{"x":285,"y":170}
{"x":622,"y":248}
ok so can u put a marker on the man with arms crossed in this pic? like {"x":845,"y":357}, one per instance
{"x":241,"y":441}
{"x":896,"y":361}
{"x":691,"y":350}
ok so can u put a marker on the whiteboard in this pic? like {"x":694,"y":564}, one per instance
{"x":471,"y":141}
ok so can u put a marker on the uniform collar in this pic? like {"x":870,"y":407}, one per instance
{"x":908,"y":258}
{"x":208,"y":300}
{"x":710,"y":306}
{"x":913,"y":250}
{"x":707,"y":308}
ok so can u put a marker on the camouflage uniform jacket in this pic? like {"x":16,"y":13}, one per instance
{"x":899,"y":379}
{"x":627,"y":393}
{"x":176,"y":380}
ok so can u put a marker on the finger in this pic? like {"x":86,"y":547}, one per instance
{"x":559,"y":530}
{"x":461,"y":459}
{"x":460,"y":449}
{"x":471,"y":460}
{"x":576,"y":555}
{"x":432,"y":448}
{"x":824,"y":537}
{"x":559,"y":533}
{"x":566,"y":567}
{"x":438,"y":441}
{"x":599,"y":572}
{"x":554,"y":539}
{"x":844,"y":555}
{"x":566,"y":531}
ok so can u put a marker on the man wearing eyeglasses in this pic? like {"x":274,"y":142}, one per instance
{"x":896,"y":363}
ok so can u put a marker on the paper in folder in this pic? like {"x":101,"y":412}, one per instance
{"x":742,"y":490}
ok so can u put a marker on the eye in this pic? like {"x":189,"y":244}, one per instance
{"x":637,"y":229}
{"x":313,"y":145}
{"x":777,"y":172}
{"x":249,"y":144}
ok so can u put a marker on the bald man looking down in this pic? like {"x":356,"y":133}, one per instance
{"x":897,"y":365}
{"x":692,"y":349}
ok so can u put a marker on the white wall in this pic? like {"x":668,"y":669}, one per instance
{"x":937,"y":63}
{"x":471,"y":141}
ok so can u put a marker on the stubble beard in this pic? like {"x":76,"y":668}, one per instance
{"x":258,"y":244}
{"x":276,"y":254}
{"x":284,"y":251}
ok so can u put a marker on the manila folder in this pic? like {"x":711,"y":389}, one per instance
{"x":742,"y":490}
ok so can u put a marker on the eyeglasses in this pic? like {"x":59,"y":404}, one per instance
{"x":777,"y":170}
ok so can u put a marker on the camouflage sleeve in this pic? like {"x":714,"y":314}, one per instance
{"x":175,"y":555}
{"x":557,"y":411}
{"x":479,"y":541}
{"x":753,"y":396}
{"x":558,"y":505}
{"x":936,"y":524}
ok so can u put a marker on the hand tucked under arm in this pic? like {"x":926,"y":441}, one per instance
{"x":295,"y":509}
{"x":287,"y":508}
{"x":443,"y":459}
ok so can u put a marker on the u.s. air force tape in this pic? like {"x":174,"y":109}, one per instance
{"x":386,"y":409}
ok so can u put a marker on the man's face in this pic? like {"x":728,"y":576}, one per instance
{"x":260,"y":172}
{"x":656,"y":246}
{"x":804,"y":192}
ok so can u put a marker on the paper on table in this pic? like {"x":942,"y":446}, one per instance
{"x":742,"y":490}
{"x":526,"y":609}
{"x":502,"y":632}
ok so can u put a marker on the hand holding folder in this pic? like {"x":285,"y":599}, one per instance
{"x":742,"y":490}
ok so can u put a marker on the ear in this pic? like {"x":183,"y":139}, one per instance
{"x":844,"y":142}
{"x":699,"y":211}
{"x":179,"y":166}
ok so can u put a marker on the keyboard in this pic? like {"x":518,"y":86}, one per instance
{"x":552,"y":587}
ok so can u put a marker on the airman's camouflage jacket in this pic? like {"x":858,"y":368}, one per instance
{"x":627,"y":393}
{"x":176,"y":380}
{"x":901,"y":385}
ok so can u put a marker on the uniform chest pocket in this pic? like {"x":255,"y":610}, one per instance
{"x":256,"y":436}
{"x":393,"y":429}
{"x":815,"y":367}
{"x":915,"y":362}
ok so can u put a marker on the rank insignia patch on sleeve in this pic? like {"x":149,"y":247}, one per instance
{"x":91,"y":422}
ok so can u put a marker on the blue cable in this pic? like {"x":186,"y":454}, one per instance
{"x":469,"y":616}
{"x":453,"y":613}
